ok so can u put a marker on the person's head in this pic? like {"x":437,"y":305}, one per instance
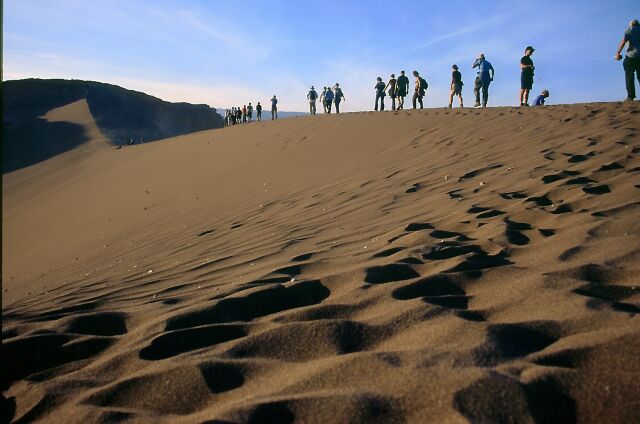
{"x":481,"y":56}
{"x":337,"y":85}
{"x":379,"y":79}
{"x":393,"y":75}
{"x":634,"y":23}
{"x":258,"y":102}
{"x":249,"y":103}
{"x":312,"y":87}
{"x":415,"y":73}
{"x":545,"y":93}
{"x":529,"y":51}
{"x":401,"y":72}
{"x":454,"y":67}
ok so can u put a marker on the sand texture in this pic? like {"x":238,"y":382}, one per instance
{"x":443,"y":266}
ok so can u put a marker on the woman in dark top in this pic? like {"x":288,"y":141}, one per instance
{"x":526,"y":78}
{"x":456,"y":86}
{"x":391,"y":86}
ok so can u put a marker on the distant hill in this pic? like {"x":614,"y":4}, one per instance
{"x":119,"y":114}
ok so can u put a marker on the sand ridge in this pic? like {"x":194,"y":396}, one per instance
{"x":412,"y":266}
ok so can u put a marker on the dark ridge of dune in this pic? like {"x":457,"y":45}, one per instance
{"x":119,"y":114}
{"x":443,"y":266}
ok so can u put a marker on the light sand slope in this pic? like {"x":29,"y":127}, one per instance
{"x":416,"y":266}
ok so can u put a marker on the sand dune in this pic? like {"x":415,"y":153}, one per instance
{"x":413,"y":266}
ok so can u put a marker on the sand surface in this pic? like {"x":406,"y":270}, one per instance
{"x":414,"y":266}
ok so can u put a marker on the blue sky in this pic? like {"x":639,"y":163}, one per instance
{"x":228,"y":53}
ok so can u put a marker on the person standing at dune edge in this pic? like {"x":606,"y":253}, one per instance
{"x":338,"y":96}
{"x":328,"y":100}
{"x":274,"y":108}
{"x":391,"y":86}
{"x":259,"y":111}
{"x":631,"y":63}
{"x":526,"y":78}
{"x":483,"y":80}
{"x":244,"y":113}
{"x":419,"y":89}
{"x":379,"y":87}
{"x":323,"y":100}
{"x":402,"y":89}
{"x":312,"y":95}
{"x":250,"y":112}
{"x":456,"y":86}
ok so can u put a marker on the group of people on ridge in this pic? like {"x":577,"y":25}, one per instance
{"x":244,"y":114}
{"x":329,"y":96}
{"x":399,"y":88}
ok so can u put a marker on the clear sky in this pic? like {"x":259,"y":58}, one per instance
{"x":228,"y":53}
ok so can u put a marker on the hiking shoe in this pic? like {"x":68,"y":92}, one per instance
{"x":629,"y":99}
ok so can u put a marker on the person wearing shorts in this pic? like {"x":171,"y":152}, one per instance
{"x":391,"y":87}
{"x":526,"y":77}
{"x":456,"y":85}
{"x":402,"y":89}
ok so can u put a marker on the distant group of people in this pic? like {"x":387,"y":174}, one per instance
{"x":329,"y":96}
{"x":244,"y":114}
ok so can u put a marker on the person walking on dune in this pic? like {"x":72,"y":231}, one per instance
{"x":259,"y":111}
{"x":483,"y":79}
{"x":323,"y":100}
{"x":239,"y":115}
{"x":402,"y":89}
{"x":456,"y":86}
{"x":244,"y":113}
{"x":338,"y":96}
{"x":328,"y":100}
{"x":420,"y":89}
{"x":379,"y":87}
{"x":250,"y":112}
{"x":312,"y":95}
{"x":526,"y":78}
{"x":274,"y":108}
{"x":631,"y":63}
{"x":391,"y":87}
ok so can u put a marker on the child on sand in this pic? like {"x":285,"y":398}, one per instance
{"x":542,"y":97}
{"x":456,"y":86}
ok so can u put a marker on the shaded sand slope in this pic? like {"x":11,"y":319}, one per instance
{"x":416,"y":266}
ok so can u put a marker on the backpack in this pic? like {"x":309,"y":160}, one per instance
{"x":313,"y":95}
{"x":423,"y":84}
{"x":339,"y":94}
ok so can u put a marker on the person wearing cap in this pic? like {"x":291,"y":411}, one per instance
{"x":402,"y":89}
{"x":631,"y":63}
{"x":483,"y":79}
{"x":274,"y":108}
{"x":541,"y":98}
{"x":338,"y":96}
{"x":391,"y":87}
{"x":379,"y":87}
{"x":312,"y":95}
{"x":526,"y":77}
{"x":456,"y":86}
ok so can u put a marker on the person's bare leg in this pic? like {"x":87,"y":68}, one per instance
{"x":451,"y":99}
{"x":461,"y":102}
{"x":521,"y":96}
{"x":526,"y":96}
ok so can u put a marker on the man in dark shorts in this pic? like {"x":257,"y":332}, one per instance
{"x":526,"y":78}
{"x":483,"y":80}
{"x":631,"y":61}
{"x":391,"y":86}
{"x":379,"y":87}
{"x":456,"y":86}
{"x":402,"y":89}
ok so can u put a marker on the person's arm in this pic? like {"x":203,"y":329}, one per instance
{"x":492,"y":72}
{"x":618,"y":55}
{"x":476,"y":63}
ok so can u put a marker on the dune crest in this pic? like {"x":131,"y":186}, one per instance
{"x":413,"y":266}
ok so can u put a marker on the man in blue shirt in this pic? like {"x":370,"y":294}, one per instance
{"x":274,"y":108}
{"x":631,"y":61}
{"x":484,"y":78}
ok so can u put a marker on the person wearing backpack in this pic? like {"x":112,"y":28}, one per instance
{"x":312,"y":95}
{"x":379,"y":87}
{"x":250,"y":112}
{"x":274,"y":108}
{"x":338,"y":97}
{"x":259,"y":111}
{"x":391,"y":85}
{"x":328,"y":99}
{"x":419,"y":90}
{"x":402,"y":89}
